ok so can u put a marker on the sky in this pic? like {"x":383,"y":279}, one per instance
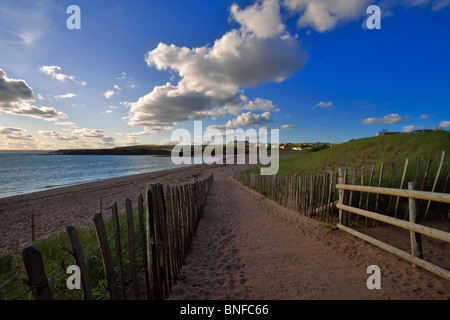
{"x":135,"y":71}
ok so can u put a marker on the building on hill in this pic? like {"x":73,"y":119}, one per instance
{"x":385,"y":132}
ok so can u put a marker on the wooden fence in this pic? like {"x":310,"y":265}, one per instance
{"x":155,"y":247}
{"x":416,"y":229}
{"x":316,"y":196}
{"x":313,"y":196}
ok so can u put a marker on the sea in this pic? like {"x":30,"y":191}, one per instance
{"x":26,"y":172}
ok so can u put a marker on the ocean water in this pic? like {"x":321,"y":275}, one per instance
{"x":22,"y":173}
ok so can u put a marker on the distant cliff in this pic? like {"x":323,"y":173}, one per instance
{"x":128,"y":151}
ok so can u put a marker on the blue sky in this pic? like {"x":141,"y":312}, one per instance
{"x":137,"y":70}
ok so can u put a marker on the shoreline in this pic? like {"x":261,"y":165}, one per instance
{"x":50,"y":188}
{"x":75,"y":205}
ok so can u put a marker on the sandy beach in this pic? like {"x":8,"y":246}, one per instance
{"x":54,"y":209}
{"x":246,"y":246}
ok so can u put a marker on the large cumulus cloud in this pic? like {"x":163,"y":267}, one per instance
{"x":212,"y":78}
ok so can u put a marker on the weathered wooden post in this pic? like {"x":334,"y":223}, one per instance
{"x":343,"y":197}
{"x":152,"y":243}
{"x":118,"y":249}
{"x":143,"y":244}
{"x":34,"y":265}
{"x":78,"y":254}
{"x":132,"y":248}
{"x":106,"y":254}
{"x":33,"y":236}
{"x":416,"y":238}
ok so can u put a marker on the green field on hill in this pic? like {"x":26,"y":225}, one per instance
{"x":373,"y":151}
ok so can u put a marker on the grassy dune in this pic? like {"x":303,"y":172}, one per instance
{"x":373,"y":151}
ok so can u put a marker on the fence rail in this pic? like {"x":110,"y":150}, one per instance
{"x":416,"y":256}
{"x":332,"y":197}
{"x":316,"y":195}
{"x":145,"y":262}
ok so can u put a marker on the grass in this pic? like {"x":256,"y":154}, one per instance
{"x":54,"y":256}
{"x":374,"y":151}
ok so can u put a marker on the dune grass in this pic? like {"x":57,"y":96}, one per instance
{"x":55,"y":257}
{"x":374,"y":151}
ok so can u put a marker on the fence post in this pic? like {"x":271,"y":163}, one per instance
{"x":435,"y":182}
{"x":132,"y":248}
{"x":118,"y":249}
{"x":143,"y":244}
{"x":80,"y":260}
{"x":152,"y":243}
{"x":34,"y":265}
{"x":343,"y":197}
{"x":106,"y":255}
{"x":33,"y":234}
{"x":416,"y":239}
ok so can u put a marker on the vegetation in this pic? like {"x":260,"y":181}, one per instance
{"x":55,"y":256}
{"x":374,"y":151}
{"x":163,"y":150}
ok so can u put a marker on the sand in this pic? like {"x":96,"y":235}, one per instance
{"x":249,"y":247}
{"x":246,"y":246}
{"x":54,"y":209}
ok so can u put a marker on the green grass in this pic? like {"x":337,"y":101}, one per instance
{"x":11,"y":266}
{"x":374,"y":151}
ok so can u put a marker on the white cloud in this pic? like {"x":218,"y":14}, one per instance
{"x":15,"y":95}
{"x":123,"y":75}
{"x":25,"y":26}
{"x":325,"y":15}
{"x":54,"y":73}
{"x":388,"y":119}
{"x":263,"y":18}
{"x":109,"y":93}
{"x":245,"y":120}
{"x":66,"y":124}
{"x":212,"y":77}
{"x":440,"y":4}
{"x":411,"y":128}
{"x":90,"y":133}
{"x":26,"y":109}
{"x":97,"y":135}
{"x":260,"y":104}
{"x":289,"y":127}
{"x":65,"y":96}
{"x":426,"y":116}
{"x":16,"y":134}
{"x":323,"y":105}
{"x":445,"y":124}
{"x":14,"y":89}
{"x":58,"y":136}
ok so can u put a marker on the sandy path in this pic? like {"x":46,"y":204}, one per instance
{"x":248,"y":247}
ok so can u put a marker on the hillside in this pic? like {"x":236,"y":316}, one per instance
{"x":374,"y":151}
{"x":162,"y":150}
